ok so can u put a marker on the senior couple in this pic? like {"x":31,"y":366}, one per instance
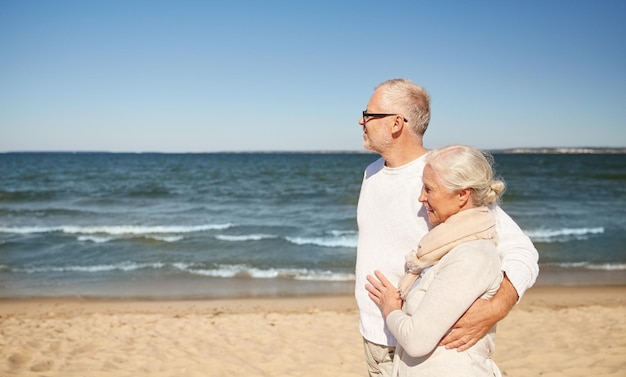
{"x":439,"y":263}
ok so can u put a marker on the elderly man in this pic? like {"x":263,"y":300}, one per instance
{"x":392,"y":221}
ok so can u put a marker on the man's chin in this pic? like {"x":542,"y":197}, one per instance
{"x":367,"y":145}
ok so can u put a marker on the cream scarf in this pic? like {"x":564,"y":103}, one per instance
{"x":467,"y":225}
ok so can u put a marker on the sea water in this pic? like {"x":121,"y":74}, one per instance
{"x":256,"y":224}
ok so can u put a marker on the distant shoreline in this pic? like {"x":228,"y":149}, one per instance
{"x":539,"y":150}
{"x":578,"y":150}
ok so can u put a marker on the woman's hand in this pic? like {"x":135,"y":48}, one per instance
{"x":383,"y":293}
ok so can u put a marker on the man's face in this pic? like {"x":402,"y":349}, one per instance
{"x":377,"y":135}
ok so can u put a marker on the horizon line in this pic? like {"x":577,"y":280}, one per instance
{"x":521,"y":150}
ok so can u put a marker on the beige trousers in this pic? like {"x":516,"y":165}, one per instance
{"x":379,"y":359}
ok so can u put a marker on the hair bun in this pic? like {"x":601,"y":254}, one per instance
{"x":495,"y":191}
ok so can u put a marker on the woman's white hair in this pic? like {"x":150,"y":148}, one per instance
{"x":459,"y":167}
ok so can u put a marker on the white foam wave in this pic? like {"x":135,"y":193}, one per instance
{"x":95,"y":239}
{"x":607,"y":266}
{"x":245,"y":237}
{"x":338,"y":233}
{"x":167,"y":238}
{"x":124,"y":266}
{"x":116,"y":230}
{"x":221,"y":271}
{"x":230,"y":271}
{"x":591,"y":266}
{"x":345,"y":240}
{"x":564,"y":234}
{"x":103,"y":239}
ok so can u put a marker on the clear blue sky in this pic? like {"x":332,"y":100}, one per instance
{"x":205,"y":76}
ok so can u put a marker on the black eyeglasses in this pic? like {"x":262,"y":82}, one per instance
{"x":367,"y":116}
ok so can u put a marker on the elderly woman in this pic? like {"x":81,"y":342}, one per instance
{"x":455,"y":264}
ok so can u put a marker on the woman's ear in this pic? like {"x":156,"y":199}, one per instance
{"x":465,"y":197}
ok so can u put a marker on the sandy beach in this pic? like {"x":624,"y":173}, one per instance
{"x":554,"y":331}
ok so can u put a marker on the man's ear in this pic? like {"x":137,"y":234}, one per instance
{"x":398,"y":124}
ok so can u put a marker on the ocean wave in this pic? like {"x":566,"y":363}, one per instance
{"x":590,"y":266}
{"x":245,"y":237}
{"x":336,"y":239}
{"x":123,"y":266}
{"x":103,"y":239}
{"x":231,"y":271}
{"x":167,"y":238}
{"x":220,"y":271}
{"x":564,"y":234}
{"x":95,"y":239}
{"x":116,"y":230}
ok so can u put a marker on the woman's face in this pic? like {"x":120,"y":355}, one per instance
{"x":439,"y":202}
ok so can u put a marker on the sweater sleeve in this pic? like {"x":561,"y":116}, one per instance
{"x":519,"y":256}
{"x":462,"y":276}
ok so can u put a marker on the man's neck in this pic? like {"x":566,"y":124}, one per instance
{"x":402,"y":156}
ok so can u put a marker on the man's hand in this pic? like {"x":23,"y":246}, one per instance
{"x":480,"y":317}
